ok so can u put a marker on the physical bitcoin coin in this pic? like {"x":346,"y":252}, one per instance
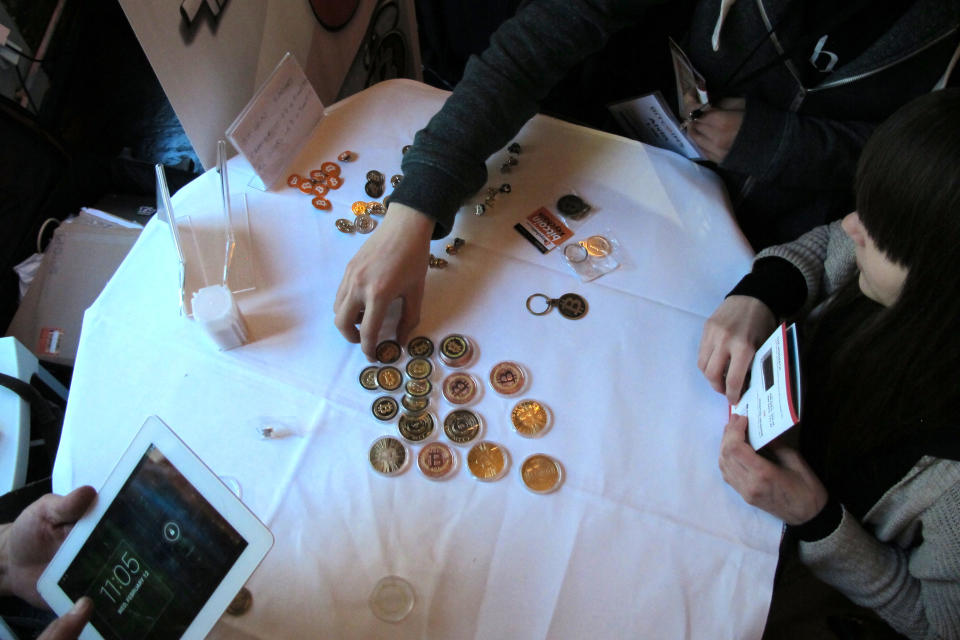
{"x":508,"y":378}
{"x":530,"y":418}
{"x":388,"y":351}
{"x":416,"y":428}
{"x":419,"y":388}
{"x":388,"y":456}
{"x":541,"y":473}
{"x":487,"y":461}
{"x":389,"y":378}
{"x":456,"y":350}
{"x":414,"y":405}
{"x":368,"y":378}
{"x":419,"y":368}
{"x":460,"y":388}
{"x":462,"y":426}
{"x":384,"y":408}
{"x":420,"y":347}
{"x":437,"y":461}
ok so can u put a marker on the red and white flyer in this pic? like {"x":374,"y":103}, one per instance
{"x":772,"y":401}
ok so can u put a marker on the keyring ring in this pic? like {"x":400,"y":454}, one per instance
{"x":539,"y":313}
{"x":575,"y":252}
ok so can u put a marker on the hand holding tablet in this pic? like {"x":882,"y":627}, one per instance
{"x":164,"y":549}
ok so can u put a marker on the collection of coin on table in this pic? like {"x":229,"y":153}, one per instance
{"x":487,"y":461}
{"x":320,"y":181}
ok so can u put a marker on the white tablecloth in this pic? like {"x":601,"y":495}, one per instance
{"x":643,"y":540}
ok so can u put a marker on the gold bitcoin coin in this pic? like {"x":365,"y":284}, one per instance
{"x":487,"y":461}
{"x":541,"y":473}
{"x":389,"y":378}
{"x":530,"y":418}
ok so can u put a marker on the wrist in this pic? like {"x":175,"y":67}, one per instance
{"x":409,"y":221}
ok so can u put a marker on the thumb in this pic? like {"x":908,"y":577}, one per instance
{"x":69,"y":625}
{"x":71,"y":507}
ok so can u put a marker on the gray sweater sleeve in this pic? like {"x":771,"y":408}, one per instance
{"x":824,"y":255}
{"x":500,"y":90}
{"x":908,"y":568}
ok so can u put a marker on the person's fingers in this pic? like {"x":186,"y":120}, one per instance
{"x":346,"y":320}
{"x":69,"y":625}
{"x":410,"y":316}
{"x":740,"y":360}
{"x":704,"y":140}
{"x":716,"y":369}
{"x":373,"y":316}
{"x":706,"y":347}
{"x":71,"y":507}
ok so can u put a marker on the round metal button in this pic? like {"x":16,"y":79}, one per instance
{"x":359,"y":208}
{"x":344,"y":225}
{"x":374,"y":176}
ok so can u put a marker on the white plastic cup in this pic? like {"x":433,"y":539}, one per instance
{"x":217,"y":313}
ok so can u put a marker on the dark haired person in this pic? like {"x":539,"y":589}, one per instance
{"x":796,"y":86}
{"x":871,"y":497}
{"x":26,"y":547}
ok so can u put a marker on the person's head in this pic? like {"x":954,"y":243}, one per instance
{"x":907,"y":224}
{"x":897,"y":363}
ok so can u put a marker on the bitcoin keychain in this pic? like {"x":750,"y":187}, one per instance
{"x":570,"y":305}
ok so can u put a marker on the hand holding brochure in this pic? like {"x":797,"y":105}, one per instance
{"x":772,"y":401}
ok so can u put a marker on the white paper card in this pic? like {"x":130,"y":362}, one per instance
{"x":772,"y":402}
{"x":276,"y":123}
{"x":649,"y":120}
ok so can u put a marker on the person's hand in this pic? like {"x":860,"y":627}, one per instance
{"x":790,"y":491}
{"x":69,"y":625}
{"x":391,"y":264}
{"x":715,"y":130}
{"x":730,"y":338}
{"x":28,"y":543}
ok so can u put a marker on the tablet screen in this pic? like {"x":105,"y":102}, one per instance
{"x":155,"y":557}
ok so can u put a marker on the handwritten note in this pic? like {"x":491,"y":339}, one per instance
{"x":277,"y":121}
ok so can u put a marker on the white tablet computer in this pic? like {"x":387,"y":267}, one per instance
{"x":163,"y":550}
